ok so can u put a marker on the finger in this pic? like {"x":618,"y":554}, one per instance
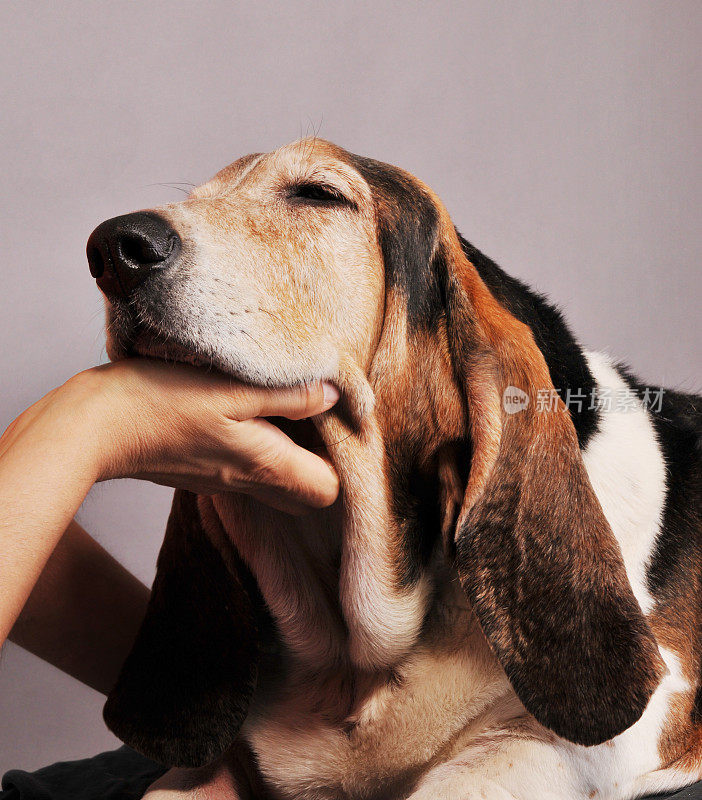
{"x":280,"y":501}
{"x":276,"y":462}
{"x":296,"y":402}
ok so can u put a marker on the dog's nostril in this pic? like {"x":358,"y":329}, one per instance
{"x":95,"y":262}
{"x":141,"y":251}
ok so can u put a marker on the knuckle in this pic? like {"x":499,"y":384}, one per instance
{"x":245,"y":406}
{"x":223,"y":475}
{"x":228,"y":477}
{"x":264,"y":474}
{"x":310,"y":400}
{"x":315,"y":397}
{"x":298,"y":402}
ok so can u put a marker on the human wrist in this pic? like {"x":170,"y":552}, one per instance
{"x":101,"y":416}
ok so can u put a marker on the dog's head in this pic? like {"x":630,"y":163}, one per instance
{"x":269,"y":272}
{"x":311,"y":263}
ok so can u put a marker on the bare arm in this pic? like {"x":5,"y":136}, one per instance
{"x":47,"y":465}
{"x":174,"y":425}
{"x":84,"y":611}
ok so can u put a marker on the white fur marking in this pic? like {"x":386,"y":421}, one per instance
{"x":616,"y":768}
{"x":627,"y":472}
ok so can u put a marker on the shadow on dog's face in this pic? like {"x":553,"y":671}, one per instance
{"x":270,"y":272}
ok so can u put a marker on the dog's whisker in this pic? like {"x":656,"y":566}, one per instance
{"x":333,"y":444}
{"x":172,"y":186}
{"x":253,"y":339}
{"x":277,"y":318}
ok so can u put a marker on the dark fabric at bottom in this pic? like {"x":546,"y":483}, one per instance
{"x":125,"y":775}
{"x":117,"y":775}
{"x":690,"y":793}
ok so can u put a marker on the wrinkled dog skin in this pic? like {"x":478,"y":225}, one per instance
{"x":500,"y":605}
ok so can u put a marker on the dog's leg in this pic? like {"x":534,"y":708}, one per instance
{"x":504,"y":769}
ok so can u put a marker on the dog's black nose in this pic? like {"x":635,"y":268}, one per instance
{"x":125,"y":250}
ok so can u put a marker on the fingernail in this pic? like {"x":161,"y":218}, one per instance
{"x":331,"y":395}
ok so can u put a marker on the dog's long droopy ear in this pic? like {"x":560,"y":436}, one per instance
{"x":535,"y":554}
{"x":185,"y":688}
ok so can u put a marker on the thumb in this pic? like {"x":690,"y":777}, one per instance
{"x":296,"y":402}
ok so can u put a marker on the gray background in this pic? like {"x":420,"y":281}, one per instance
{"x":564,"y":138}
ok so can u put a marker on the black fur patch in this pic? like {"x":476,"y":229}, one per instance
{"x":407,"y":223}
{"x":185,"y":688}
{"x":415,"y":503}
{"x":678,"y":427}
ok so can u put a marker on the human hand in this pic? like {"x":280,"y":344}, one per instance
{"x":181,"y":426}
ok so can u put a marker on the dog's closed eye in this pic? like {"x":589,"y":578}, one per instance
{"x":319,"y":194}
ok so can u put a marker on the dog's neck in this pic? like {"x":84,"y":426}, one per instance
{"x":332,"y":579}
{"x":347,"y":585}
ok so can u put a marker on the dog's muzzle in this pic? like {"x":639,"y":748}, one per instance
{"x":123,"y":251}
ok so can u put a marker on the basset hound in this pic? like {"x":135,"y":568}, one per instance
{"x":505,"y":600}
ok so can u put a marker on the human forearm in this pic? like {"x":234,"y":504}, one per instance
{"x":84,"y":611}
{"x":47,"y":466}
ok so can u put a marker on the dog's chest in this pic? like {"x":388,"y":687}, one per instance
{"x":391,"y":736}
